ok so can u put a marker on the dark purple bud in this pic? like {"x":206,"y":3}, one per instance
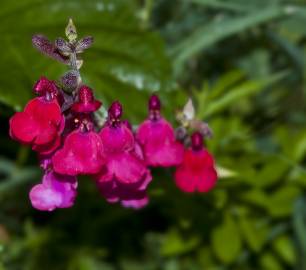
{"x":46,"y":47}
{"x":197,"y":141}
{"x":154,"y":103}
{"x":63,"y":46}
{"x":70,"y":80}
{"x":115,"y":111}
{"x":84,"y":44}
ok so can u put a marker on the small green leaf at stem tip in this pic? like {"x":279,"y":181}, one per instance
{"x":70,"y":31}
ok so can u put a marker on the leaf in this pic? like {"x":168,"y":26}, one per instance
{"x":226,"y":240}
{"x":281,"y":202}
{"x":269,"y":261}
{"x":207,"y":35}
{"x":284,"y":247}
{"x":236,"y":93}
{"x":255,"y":196}
{"x":273,"y":171}
{"x":254,"y":232}
{"x":174,"y":244}
{"x":124,"y":62}
{"x":219,"y":4}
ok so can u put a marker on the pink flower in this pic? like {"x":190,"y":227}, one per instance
{"x":197,"y":172}
{"x":82,"y":152}
{"x":125,"y":176}
{"x":156,"y":136}
{"x":87,"y":102}
{"x":55,"y":191}
{"x":40,"y":124}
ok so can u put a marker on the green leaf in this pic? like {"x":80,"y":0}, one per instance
{"x":219,"y":4}
{"x":254,"y":232}
{"x":255,"y":196}
{"x":226,"y":240}
{"x":125,"y":61}
{"x":284,"y":247}
{"x":207,"y":35}
{"x":273,"y":171}
{"x":175,"y":244}
{"x":269,"y":261}
{"x":280,"y":203}
{"x":242,"y":90}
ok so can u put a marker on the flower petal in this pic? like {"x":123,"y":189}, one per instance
{"x":82,"y":153}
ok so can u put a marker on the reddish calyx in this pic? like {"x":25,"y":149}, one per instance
{"x":197,"y":141}
{"x":45,"y":87}
{"x":86,"y":103}
{"x":154,"y":107}
{"x":114,"y":114}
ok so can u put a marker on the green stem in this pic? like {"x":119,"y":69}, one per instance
{"x":22,"y":155}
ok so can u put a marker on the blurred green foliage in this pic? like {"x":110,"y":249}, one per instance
{"x":241,"y":61}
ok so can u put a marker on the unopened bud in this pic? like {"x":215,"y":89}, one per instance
{"x":71,"y":32}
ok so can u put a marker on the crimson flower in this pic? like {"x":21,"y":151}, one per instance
{"x":197,"y":171}
{"x":41,"y":123}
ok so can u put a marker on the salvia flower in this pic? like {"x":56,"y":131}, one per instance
{"x":125,"y":176}
{"x":197,"y":171}
{"x":82,"y":152}
{"x":55,"y":191}
{"x":72,"y":136}
{"x":41,"y":123}
{"x":157,"y":138}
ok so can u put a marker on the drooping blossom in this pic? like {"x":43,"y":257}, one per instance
{"x":197,"y":171}
{"x":41,"y":123}
{"x":82,"y":152}
{"x":55,"y":191}
{"x":157,"y":138}
{"x":125,"y":176}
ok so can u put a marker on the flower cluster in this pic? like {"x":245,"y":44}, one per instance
{"x":62,"y":126}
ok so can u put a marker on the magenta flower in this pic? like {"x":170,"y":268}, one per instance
{"x":55,"y":191}
{"x":125,"y":176}
{"x":156,"y":136}
{"x":82,"y":153}
{"x":197,"y":171}
{"x":41,"y":123}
